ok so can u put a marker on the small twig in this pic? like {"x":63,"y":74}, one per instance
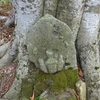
{"x":77,"y":96}
{"x":32,"y":98}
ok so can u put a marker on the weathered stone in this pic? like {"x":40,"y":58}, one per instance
{"x":81,"y":89}
{"x":65,"y":95}
{"x":51,"y":45}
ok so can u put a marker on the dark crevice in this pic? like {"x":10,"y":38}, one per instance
{"x":43,"y":7}
{"x":57,"y":9}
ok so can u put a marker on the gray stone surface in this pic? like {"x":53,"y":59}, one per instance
{"x":81,"y":89}
{"x":65,"y":95}
{"x":51,"y":45}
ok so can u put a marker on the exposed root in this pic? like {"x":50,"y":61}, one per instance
{"x":7,"y":75}
{"x":2,"y":42}
{"x":10,"y":21}
{"x":3,"y":17}
{"x":9,"y":55}
{"x":6,"y":59}
{"x":4,"y":48}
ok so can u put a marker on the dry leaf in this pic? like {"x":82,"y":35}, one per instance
{"x":80,"y":71}
{"x":7,"y":75}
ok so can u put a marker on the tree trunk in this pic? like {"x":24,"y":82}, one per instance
{"x":28,"y":12}
{"x":88,"y":48}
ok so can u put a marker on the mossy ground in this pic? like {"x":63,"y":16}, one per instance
{"x":27,"y":89}
{"x":57,"y":82}
{"x":71,"y":98}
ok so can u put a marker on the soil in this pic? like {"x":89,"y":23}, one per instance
{"x":5,"y":32}
{"x":7,"y":73}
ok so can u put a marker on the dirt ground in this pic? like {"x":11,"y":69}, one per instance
{"x":8,"y":72}
{"x":5,"y":32}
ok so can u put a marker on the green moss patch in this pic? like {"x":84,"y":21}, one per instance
{"x":71,"y":98}
{"x":96,"y":68}
{"x":27,"y":89}
{"x":57,"y":82}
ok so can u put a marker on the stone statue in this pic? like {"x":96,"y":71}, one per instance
{"x":52,"y":64}
{"x":51,"y":45}
{"x":60,"y":63}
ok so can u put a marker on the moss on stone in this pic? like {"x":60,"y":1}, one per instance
{"x":96,"y":67}
{"x":72,"y":77}
{"x":57,"y":82}
{"x":27,"y":89}
{"x":72,"y":98}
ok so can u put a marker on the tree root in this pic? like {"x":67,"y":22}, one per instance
{"x":2,"y":42}
{"x":10,"y":21}
{"x":9,"y":54}
{"x":4,"y":48}
{"x":6,"y":59}
{"x":3,"y":17}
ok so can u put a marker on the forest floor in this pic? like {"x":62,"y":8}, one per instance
{"x":8,"y":72}
{"x":5,"y":32}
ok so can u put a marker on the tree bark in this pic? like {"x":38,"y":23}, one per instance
{"x":27,"y":13}
{"x":70,"y":12}
{"x":88,"y":48}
